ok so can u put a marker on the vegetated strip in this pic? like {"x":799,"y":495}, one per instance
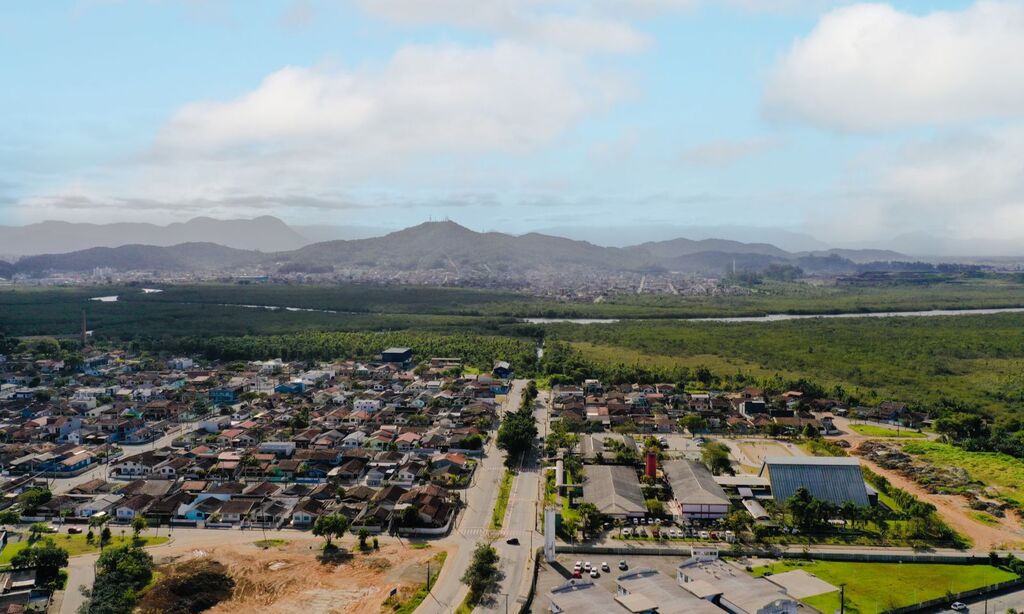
{"x":498,"y":515}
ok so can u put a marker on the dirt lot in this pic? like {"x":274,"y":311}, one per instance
{"x":290,"y":578}
{"x":750,"y":453}
{"x":957,"y":514}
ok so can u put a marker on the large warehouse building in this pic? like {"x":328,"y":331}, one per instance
{"x":696,"y":493}
{"x":833,"y":479}
{"x":614,"y":490}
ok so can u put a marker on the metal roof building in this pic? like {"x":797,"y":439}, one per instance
{"x":614,"y":490}
{"x":581,"y":596}
{"x":695,"y":490}
{"x":662,"y":590}
{"x":833,"y":479}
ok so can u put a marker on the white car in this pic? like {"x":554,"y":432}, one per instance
{"x":578,"y":565}
{"x":627,"y":532}
{"x":605,"y":568}
{"x":594,"y":574}
{"x":587,"y":566}
{"x":958,"y":606}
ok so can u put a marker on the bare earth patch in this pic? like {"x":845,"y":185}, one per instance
{"x":292,"y":579}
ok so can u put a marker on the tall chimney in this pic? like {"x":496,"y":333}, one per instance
{"x":651,"y":467}
{"x":83,"y":330}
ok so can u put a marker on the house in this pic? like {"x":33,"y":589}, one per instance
{"x":307,"y":511}
{"x":236,"y":510}
{"x":502,"y":370}
{"x":133,"y":507}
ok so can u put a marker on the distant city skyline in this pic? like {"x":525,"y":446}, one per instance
{"x":853,"y":123}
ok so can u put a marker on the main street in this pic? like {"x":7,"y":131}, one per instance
{"x":521,"y":521}
{"x":473,"y":526}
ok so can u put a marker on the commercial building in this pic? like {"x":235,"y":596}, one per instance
{"x":696,"y":493}
{"x":614,"y":490}
{"x":833,"y":479}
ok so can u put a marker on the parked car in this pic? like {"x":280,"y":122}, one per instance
{"x":576,"y":573}
{"x":959,"y":606}
{"x":587,"y":566}
{"x":512,"y":541}
{"x":74,"y":530}
{"x":623,"y":566}
{"x":594,"y":574}
{"x":605,"y":568}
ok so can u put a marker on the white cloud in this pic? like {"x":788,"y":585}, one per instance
{"x":725,"y":152}
{"x":426,"y":114}
{"x":508,"y":97}
{"x":871,"y":67}
{"x":558,"y":24}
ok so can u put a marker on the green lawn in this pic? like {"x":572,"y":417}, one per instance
{"x":504,"y":490}
{"x":74,"y":544}
{"x":871,"y":430}
{"x":270,"y":543}
{"x":876,"y":587}
{"x":1000,"y":471}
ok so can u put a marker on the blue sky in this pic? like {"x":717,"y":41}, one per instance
{"x":854,"y":122}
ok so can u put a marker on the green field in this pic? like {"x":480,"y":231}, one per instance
{"x":974,"y":359}
{"x":74,"y":544}
{"x":876,"y":587}
{"x":1000,"y":471}
{"x":871,"y":430}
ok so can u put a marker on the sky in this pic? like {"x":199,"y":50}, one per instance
{"x":854,"y":122}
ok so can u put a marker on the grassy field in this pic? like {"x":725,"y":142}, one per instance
{"x":504,"y":490}
{"x":976,"y":359}
{"x":871,"y":430}
{"x":875,"y":587}
{"x":74,"y":544}
{"x":1000,"y":471}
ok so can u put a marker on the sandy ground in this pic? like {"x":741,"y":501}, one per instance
{"x":954,"y":510}
{"x":290,"y":578}
{"x":957,"y":514}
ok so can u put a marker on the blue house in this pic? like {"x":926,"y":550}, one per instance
{"x":296,"y":387}
{"x":224,"y":395}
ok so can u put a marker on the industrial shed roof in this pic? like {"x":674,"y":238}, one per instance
{"x":613,"y":489}
{"x":833,"y":479}
{"x":693,"y":483}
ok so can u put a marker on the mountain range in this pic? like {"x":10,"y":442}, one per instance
{"x":266,"y":233}
{"x":433,"y":246}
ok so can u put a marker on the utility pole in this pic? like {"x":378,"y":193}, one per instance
{"x":842,"y":599}
{"x":428,"y":576}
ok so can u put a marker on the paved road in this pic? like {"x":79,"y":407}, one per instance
{"x":521,"y":521}
{"x":997,"y":604}
{"x":472,"y":527}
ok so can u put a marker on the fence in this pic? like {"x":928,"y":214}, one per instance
{"x":945,"y":600}
{"x":865,"y":557}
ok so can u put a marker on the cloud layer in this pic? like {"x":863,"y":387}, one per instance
{"x":870,"y":67}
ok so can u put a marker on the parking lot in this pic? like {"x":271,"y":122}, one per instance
{"x":556,"y":573}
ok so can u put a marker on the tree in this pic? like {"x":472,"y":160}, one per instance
{"x":130,"y":562}
{"x":330,"y":527}
{"x":45,"y":556}
{"x":517,"y":433}
{"x":716,"y":457}
{"x":693,"y":423}
{"x":105,"y":536}
{"x":811,"y":431}
{"x":364,"y":534}
{"x":9,"y":517}
{"x":139,"y":525}
{"x":590,"y":518}
{"x":33,"y":498}
{"x":482,"y":574}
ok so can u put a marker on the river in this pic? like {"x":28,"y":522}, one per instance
{"x":781,"y":317}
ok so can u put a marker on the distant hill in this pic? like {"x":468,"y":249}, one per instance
{"x":184,"y":257}
{"x":266,"y":233}
{"x":6,"y":270}
{"x":451,"y":249}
